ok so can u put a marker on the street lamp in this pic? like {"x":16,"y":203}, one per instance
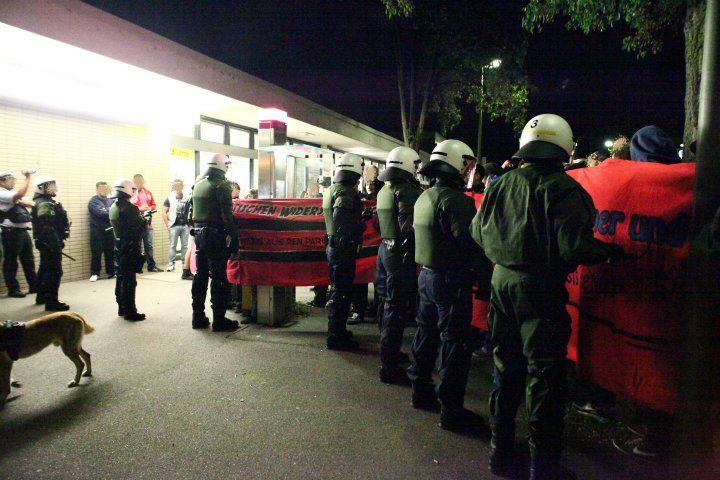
{"x":494,"y":64}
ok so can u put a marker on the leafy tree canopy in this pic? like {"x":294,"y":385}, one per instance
{"x":649,"y":21}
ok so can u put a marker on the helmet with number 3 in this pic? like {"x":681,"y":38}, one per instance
{"x":546,"y":137}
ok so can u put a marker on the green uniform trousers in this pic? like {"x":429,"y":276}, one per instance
{"x":530,"y":327}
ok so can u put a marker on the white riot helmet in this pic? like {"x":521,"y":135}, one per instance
{"x":348,"y":167}
{"x":546,"y":137}
{"x":401,"y":163}
{"x":218,"y":162}
{"x":123,"y":186}
{"x":41,"y":182}
{"x":450,"y":157}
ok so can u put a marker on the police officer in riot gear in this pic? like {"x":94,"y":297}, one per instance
{"x":395,"y":274}
{"x":128,"y":226}
{"x":50,"y":229}
{"x":536,"y":225}
{"x":343,"y":222}
{"x":450,"y":263}
{"x":215,"y":240}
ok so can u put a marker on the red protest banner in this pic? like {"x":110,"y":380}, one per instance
{"x":480,"y":307}
{"x":627,"y":320}
{"x":282,"y":243}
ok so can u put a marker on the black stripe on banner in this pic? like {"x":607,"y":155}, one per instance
{"x":284,"y":257}
{"x":663,"y":342}
{"x":279,"y":225}
{"x":297,"y":256}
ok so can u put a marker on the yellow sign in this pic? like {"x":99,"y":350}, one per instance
{"x":182,"y":152}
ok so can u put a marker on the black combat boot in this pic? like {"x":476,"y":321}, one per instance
{"x":132,"y":315}
{"x":342,"y":341}
{"x":223,"y":324}
{"x":394,"y":375}
{"x":425,"y":398}
{"x":56,"y":306}
{"x":462,"y":420}
{"x":200,"y":321}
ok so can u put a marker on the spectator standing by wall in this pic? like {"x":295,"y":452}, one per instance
{"x":174,"y":215}
{"x":15,"y":238}
{"x":145,"y":202}
{"x":102,"y":241}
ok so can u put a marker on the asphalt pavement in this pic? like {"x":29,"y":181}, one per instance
{"x":170,"y":402}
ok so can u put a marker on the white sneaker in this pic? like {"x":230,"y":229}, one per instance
{"x":93,"y":278}
{"x":171,"y":267}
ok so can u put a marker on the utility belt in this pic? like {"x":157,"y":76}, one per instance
{"x":7,"y":228}
{"x":209,"y":235}
{"x":340,"y":241}
{"x":446,"y":269}
{"x":10,"y":337}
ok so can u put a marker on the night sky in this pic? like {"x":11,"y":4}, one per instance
{"x":339,"y":53}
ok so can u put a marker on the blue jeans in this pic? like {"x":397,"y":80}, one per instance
{"x":148,"y":246}
{"x":183,"y":233}
{"x":443,"y":318}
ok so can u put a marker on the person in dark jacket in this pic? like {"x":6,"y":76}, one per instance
{"x":51,"y":227}
{"x":344,"y":226}
{"x":450,"y":262}
{"x":536,"y":225}
{"x":102,"y":241}
{"x":128,"y":226}
{"x":395,"y":274}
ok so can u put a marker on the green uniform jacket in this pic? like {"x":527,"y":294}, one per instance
{"x":50,"y":222}
{"x":538,"y":219}
{"x":211,"y":202}
{"x":127,"y":222}
{"x":442,"y":237}
{"x":349,"y":221}
{"x":396,"y":201}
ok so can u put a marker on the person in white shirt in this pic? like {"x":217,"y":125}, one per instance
{"x":15,"y":220}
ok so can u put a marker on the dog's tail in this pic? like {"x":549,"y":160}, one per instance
{"x":87,"y":328}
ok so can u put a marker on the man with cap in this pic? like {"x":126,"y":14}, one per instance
{"x":343,"y":223}
{"x":16,"y":242}
{"x":51,"y":228}
{"x":216,"y":239}
{"x":128,"y":226}
{"x":652,"y":144}
{"x":451,"y":262}
{"x":395,"y":274}
{"x":536,"y":225}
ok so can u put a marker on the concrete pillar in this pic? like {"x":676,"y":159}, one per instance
{"x":274,"y":304}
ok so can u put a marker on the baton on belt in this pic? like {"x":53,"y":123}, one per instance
{"x":68,"y":256}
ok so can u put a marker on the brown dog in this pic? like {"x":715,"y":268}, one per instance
{"x":65,"y":329}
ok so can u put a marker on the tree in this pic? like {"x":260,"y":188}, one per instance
{"x":650,"y":22}
{"x":441,"y":54}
